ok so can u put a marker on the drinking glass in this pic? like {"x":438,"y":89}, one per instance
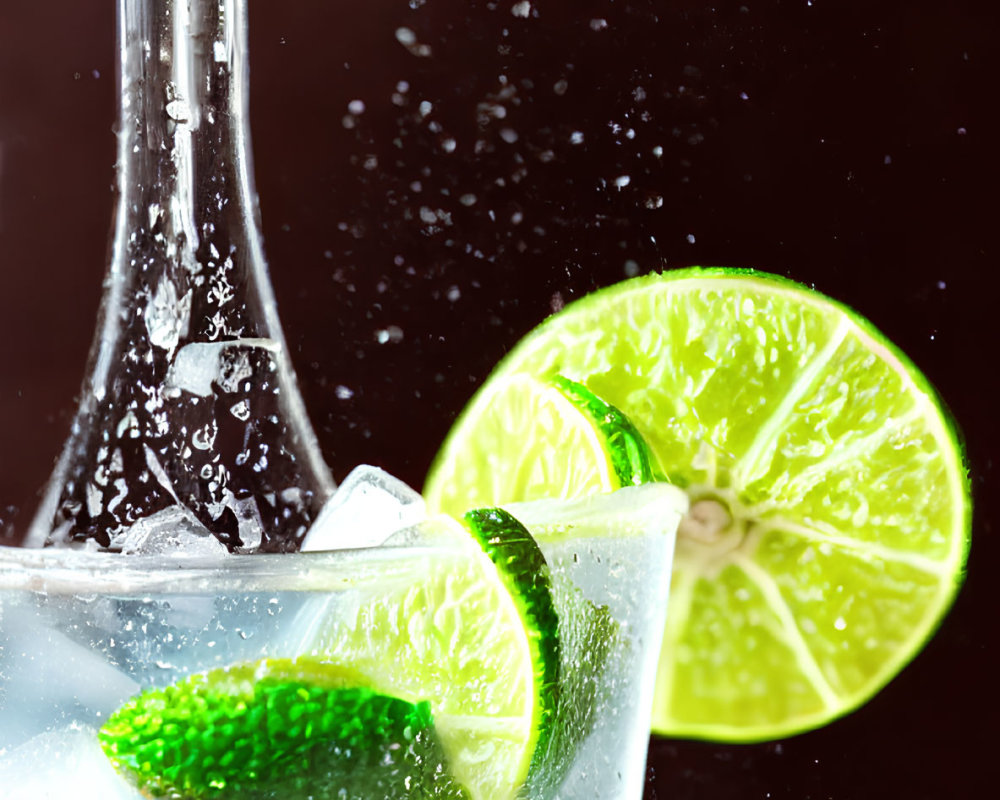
{"x":82,"y":632}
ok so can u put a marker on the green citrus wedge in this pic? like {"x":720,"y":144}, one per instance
{"x":830,"y":504}
{"x":276,"y":729}
{"x":476,"y":636}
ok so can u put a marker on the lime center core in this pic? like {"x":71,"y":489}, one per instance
{"x":708,"y":521}
{"x":714,"y":532}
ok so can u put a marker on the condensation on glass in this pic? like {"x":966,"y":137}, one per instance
{"x":190,"y":414}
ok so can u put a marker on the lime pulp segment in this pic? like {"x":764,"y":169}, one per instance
{"x":830,"y":503}
{"x":288,"y":729}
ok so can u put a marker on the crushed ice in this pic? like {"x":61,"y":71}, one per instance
{"x":173,"y":531}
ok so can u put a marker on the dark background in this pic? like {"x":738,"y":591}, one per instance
{"x":849,"y":145}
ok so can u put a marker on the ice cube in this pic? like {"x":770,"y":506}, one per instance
{"x":51,"y":676}
{"x":172,"y":531}
{"x":198,"y":364}
{"x":365,"y":510}
{"x":60,"y":764}
{"x":168,"y":316}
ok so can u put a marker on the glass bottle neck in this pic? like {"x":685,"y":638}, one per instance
{"x":183,"y":151}
{"x":190,"y":408}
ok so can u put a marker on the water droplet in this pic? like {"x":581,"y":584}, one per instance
{"x":408,"y":39}
{"x":392,"y":333}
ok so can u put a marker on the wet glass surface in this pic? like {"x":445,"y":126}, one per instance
{"x":436,"y":176}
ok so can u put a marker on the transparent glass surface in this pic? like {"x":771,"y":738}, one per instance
{"x":83,"y":632}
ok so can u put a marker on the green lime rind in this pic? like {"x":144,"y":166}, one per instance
{"x":577,"y":640}
{"x":277,"y":728}
{"x":801,"y":416}
{"x":628,"y":451}
{"x":523,"y":569}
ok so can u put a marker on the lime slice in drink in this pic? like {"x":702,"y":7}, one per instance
{"x":830,"y":504}
{"x":276,"y":729}
{"x":507,"y":466}
{"x":475,"y":635}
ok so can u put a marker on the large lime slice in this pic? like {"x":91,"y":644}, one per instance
{"x":830,"y":504}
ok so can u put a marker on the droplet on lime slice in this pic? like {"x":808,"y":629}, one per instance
{"x":830,"y":503}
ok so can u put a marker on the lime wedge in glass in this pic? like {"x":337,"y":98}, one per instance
{"x":276,"y":728}
{"x":830,"y":504}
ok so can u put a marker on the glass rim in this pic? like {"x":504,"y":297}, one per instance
{"x":62,"y":571}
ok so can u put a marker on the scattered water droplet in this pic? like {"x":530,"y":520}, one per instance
{"x":393,"y":334}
